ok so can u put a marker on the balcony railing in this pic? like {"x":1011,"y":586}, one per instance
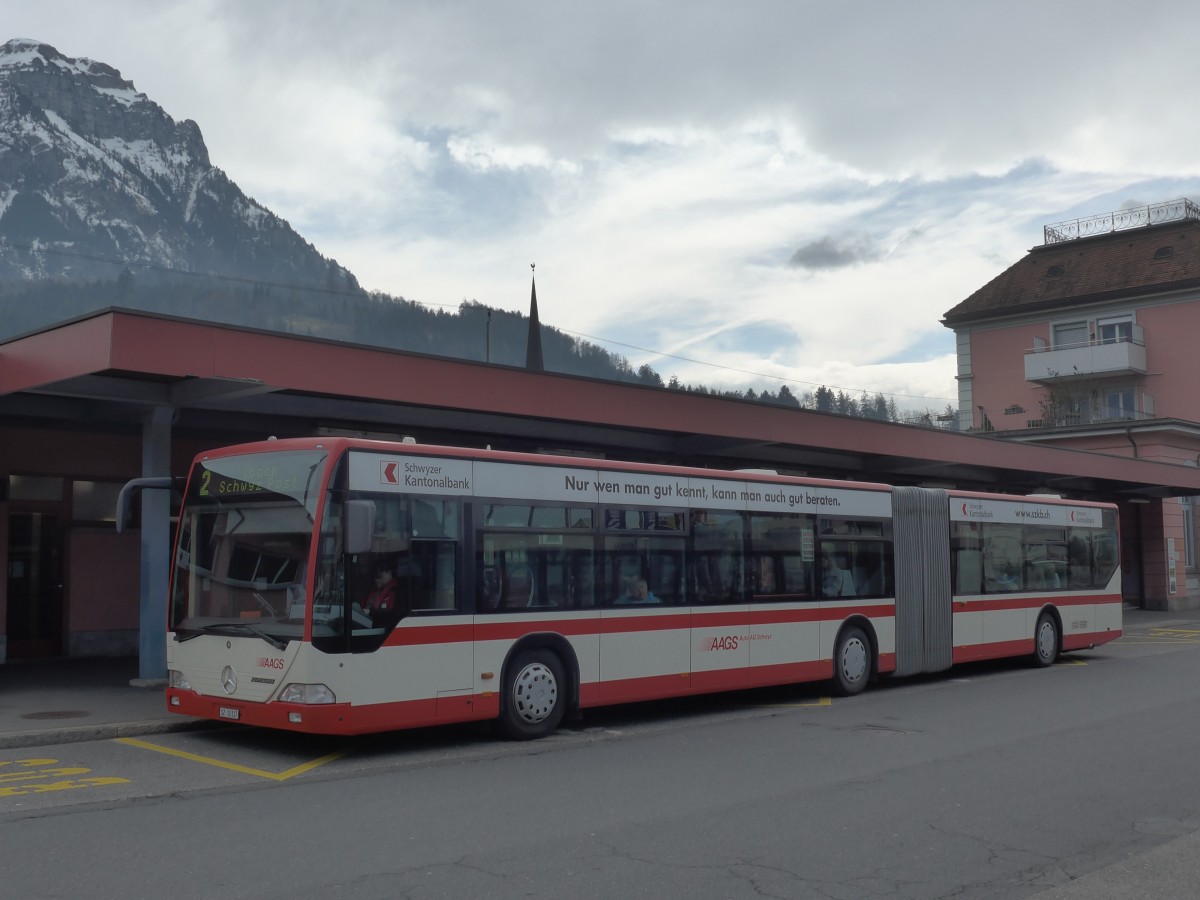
{"x":1134,"y":217}
{"x":1047,"y":416}
{"x":1087,"y":359}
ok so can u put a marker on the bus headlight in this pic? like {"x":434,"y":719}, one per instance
{"x":307,"y":693}
{"x":176,"y":679}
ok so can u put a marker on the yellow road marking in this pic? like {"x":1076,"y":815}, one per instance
{"x":43,"y":773}
{"x":1168,"y":636}
{"x":33,"y":771}
{"x":235,"y":767}
{"x":821,"y":701}
{"x":1071,"y":662}
{"x":27,"y":763}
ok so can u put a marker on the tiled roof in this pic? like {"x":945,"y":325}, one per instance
{"x":1121,"y":264}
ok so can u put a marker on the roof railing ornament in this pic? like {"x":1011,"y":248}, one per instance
{"x":1122,"y":219}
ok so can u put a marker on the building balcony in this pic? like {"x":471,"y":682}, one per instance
{"x":1090,"y":359}
{"x":1065,"y":413}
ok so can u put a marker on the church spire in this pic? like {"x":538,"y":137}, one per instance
{"x":533,"y":347}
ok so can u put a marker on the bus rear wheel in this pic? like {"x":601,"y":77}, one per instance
{"x":851,"y":662}
{"x":1045,"y":641}
{"x":534,"y":696}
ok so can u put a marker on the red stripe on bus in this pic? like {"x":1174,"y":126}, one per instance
{"x":1024,"y":646}
{"x":430,"y":634}
{"x":597,"y":623}
{"x":1036,"y":602}
{"x":976,"y":652}
{"x":502,"y":630}
{"x":773,"y":615}
{"x":634,"y":690}
{"x":631,"y":624}
{"x":1089,"y":639}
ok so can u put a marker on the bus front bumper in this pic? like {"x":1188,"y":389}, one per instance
{"x":329,"y":718}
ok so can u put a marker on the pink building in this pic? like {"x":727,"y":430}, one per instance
{"x":1088,"y":343}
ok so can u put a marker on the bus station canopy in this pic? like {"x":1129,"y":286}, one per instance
{"x":223,"y":384}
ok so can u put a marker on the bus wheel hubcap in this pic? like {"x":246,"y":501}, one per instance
{"x":535,"y":692}
{"x":1046,"y":641}
{"x":854,"y":660}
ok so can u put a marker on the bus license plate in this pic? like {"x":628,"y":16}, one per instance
{"x":228,"y":713}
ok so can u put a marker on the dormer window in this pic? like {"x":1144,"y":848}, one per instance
{"x":1164,"y":252}
{"x":1055,"y":271}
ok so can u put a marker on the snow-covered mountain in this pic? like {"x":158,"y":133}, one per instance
{"x":92,"y":172}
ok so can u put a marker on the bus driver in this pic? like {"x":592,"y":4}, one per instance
{"x":380,"y":604}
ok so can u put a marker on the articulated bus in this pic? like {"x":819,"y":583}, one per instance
{"x":348,"y":586}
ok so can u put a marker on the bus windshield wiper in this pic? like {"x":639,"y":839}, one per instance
{"x":223,"y":627}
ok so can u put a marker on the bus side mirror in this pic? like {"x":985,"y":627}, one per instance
{"x":360,"y":525}
{"x":130,"y":488}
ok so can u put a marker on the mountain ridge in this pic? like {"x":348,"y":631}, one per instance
{"x":107,"y":201}
{"x":94,"y":169}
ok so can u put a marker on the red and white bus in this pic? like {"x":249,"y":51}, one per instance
{"x":347,"y":586}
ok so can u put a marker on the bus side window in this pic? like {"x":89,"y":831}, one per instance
{"x":426,"y":576}
{"x":630,"y":559}
{"x":535,"y":570}
{"x":1079,"y":560}
{"x":870,"y":569}
{"x":776,"y":566}
{"x":969,"y":571}
{"x":1002,"y":556}
{"x":717,"y":563}
{"x":519,"y":587}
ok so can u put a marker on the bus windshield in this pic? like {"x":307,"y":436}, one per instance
{"x":244,"y":536}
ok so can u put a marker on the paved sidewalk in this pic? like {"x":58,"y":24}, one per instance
{"x":64,"y":700}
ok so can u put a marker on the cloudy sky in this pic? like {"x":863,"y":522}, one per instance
{"x":734,"y":193}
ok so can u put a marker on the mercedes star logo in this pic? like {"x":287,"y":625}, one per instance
{"x":229,"y":679}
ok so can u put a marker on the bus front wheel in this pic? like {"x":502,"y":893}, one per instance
{"x":851,"y":662}
{"x":534,"y":696}
{"x":1045,"y":641}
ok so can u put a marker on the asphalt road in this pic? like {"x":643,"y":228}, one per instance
{"x":997,"y":781}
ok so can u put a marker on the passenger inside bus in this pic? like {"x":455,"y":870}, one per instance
{"x":836,"y":580}
{"x":637,"y":593}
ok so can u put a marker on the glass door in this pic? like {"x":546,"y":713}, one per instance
{"x":35,"y":584}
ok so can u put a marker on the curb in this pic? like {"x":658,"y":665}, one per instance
{"x":100,"y":732}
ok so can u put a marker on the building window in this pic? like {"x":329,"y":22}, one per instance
{"x":1189,"y":531}
{"x":94,"y":501}
{"x":1117,"y":404}
{"x":36,"y":488}
{"x":1114,"y":330}
{"x":1070,"y":334}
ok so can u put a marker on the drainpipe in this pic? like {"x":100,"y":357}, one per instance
{"x":1132,"y":442}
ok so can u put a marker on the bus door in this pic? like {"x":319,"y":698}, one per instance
{"x":414,"y":642}
{"x":645,"y":626}
{"x":784,"y":625}
{"x":535,"y":574}
{"x":720,"y":609}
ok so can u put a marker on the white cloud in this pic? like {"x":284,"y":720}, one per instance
{"x":663,"y":163}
